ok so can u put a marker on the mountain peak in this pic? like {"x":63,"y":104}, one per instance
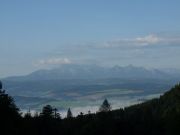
{"x":130,"y":66}
{"x":77,"y":71}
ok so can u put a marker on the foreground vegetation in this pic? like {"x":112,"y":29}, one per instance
{"x":155,"y":117}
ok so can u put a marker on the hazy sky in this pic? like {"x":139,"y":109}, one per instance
{"x":38,"y":34}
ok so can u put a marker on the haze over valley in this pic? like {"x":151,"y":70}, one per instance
{"x":89,"y":67}
{"x":84,"y":87}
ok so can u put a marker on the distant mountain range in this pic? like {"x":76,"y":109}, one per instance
{"x":73,"y":71}
{"x":74,"y":82}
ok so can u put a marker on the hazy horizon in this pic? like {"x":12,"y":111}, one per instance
{"x":165,"y":70}
{"x":43,"y":34}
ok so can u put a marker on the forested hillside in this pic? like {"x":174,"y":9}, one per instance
{"x":155,"y":117}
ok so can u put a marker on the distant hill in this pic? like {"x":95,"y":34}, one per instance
{"x":156,"y":116}
{"x":72,"y":82}
{"x":159,"y":116}
{"x":74,"y":71}
{"x":164,"y":106}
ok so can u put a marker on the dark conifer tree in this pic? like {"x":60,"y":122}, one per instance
{"x":9,"y":113}
{"x":69,"y":113}
{"x":105,"y":107}
{"x":47,"y":112}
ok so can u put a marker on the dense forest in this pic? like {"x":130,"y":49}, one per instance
{"x":159,"y":116}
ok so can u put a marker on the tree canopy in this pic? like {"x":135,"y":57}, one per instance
{"x":154,"y":117}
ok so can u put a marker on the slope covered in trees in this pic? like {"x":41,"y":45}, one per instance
{"x":10,"y":117}
{"x":154,"y":117}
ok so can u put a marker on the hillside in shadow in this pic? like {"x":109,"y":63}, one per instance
{"x":154,"y":117}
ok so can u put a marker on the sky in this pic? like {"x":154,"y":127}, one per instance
{"x":37,"y":34}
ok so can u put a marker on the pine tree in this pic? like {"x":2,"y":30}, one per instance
{"x":69,"y":113}
{"x":7,"y":104}
{"x":56,"y":114}
{"x":47,"y":111}
{"x":105,"y":107}
{"x":9,"y":113}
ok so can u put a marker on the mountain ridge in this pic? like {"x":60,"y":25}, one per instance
{"x":75,"y":71}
